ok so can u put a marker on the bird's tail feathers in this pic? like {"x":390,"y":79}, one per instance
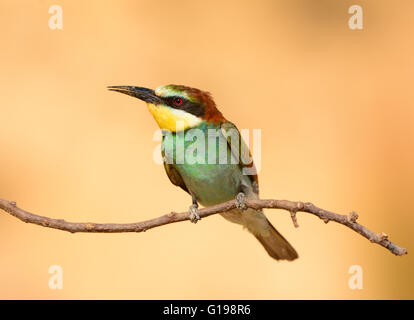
{"x":276,"y":245}
{"x":256,"y":222}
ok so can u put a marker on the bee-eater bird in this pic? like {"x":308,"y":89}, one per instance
{"x":207,"y":183}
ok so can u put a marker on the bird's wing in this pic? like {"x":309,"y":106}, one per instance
{"x":237,"y":151}
{"x":174,"y":176}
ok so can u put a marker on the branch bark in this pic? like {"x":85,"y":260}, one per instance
{"x":291,"y":206}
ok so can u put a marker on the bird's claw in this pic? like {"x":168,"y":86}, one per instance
{"x":194,"y":216}
{"x":240,"y":201}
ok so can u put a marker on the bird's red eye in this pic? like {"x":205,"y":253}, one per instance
{"x":178,"y":101}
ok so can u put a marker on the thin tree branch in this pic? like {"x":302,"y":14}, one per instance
{"x":291,"y":206}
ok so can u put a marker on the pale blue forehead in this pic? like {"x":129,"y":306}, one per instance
{"x":169,"y":91}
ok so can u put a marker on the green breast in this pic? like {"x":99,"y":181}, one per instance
{"x":204,"y":160}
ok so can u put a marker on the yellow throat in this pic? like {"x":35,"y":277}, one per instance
{"x":173,"y":119}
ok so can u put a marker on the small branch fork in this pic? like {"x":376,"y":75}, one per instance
{"x":240,"y":202}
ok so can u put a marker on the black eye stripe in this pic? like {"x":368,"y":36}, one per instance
{"x":194,"y":108}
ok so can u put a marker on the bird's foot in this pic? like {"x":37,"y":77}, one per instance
{"x":194,"y":217}
{"x":240,"y":201}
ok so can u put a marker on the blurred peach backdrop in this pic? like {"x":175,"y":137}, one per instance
{"x":336,"y":111}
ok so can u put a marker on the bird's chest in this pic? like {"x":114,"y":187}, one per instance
{"x":205,"y":165}
{"x":211,"y":184}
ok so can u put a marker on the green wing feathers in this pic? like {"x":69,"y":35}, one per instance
{"x":227,"y":128}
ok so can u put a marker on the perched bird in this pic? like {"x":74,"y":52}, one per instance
{"x":207,"y":182}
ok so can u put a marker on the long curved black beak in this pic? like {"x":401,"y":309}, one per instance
{"x":144,"y":94}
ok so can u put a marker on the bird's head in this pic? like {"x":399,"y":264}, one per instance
{"x":176,"y":107}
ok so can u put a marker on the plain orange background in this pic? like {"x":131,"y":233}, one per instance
{"x":335,"y":107}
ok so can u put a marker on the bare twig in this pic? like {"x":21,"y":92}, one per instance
{"x":291,"y":206}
